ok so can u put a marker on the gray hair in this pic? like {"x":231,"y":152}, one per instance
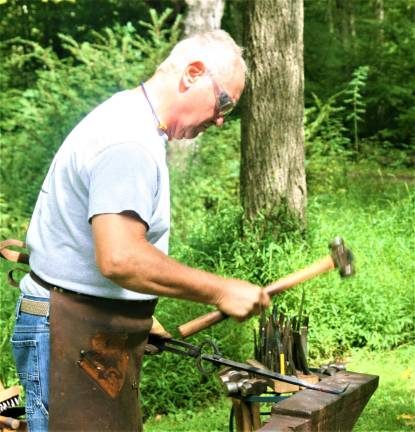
{"x":216,"y":49}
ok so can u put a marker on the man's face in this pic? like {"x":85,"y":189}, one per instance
{"x":206,"y":99}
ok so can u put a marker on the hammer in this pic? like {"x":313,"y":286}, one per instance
{"x":340,"y":258}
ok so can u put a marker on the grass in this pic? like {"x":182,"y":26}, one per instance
{"x":391,"y":408}
{"x":212,"y":418}
{"x":371,"y":209}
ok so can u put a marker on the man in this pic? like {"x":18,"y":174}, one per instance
{"x":98,"y":244}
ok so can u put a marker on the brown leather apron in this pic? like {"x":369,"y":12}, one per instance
{"x":96,"y":350}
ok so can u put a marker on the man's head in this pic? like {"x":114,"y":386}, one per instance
{"x":207,"y":73}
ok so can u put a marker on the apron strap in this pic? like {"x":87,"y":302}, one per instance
{"x":12,"y":255}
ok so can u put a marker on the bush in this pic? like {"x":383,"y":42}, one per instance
{"x":372,"y":211}
{"x":35,"y":121}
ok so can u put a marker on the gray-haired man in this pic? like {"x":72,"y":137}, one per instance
{"x":98,"y":243}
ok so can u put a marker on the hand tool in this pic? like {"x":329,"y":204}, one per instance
{"x":9,"y":397}
{"x":9,"y":423}
{"x":340,"y":258}
{"x":197,"y":352}
{"x":239,"y":382}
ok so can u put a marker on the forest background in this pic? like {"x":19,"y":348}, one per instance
{"x":59,"y":59}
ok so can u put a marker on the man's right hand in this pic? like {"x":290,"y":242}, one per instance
{"x":240,"y":299}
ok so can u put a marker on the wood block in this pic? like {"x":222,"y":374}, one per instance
{"x":9,"y":393}
{"x":283,"y":387}
{"x":311,"y":379}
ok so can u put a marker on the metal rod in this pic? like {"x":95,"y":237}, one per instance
{"x":273,"y":375}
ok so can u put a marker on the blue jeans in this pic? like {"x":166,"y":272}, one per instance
{"x":30,"y":343}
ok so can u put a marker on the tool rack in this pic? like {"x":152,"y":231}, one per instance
{"x":9,"y":412}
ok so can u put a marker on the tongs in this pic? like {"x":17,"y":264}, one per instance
{"x":208,"y":351}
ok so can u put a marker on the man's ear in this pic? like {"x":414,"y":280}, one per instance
{"x":192,"y":72}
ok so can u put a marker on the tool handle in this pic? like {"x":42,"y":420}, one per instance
{"x":205,"y":321}
{"x":201,"y":323}
{"x":10,"y":423}
{"x":321,"y":266}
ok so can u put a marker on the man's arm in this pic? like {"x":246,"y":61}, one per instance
{"x":124,"y":255}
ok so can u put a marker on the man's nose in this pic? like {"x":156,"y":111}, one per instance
{"x":219,"y":121}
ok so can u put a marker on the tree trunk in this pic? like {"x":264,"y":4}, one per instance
{"x":380,"y":15}
{"x":345,"y":13}
{"x":272,"y":145}
{"x":330,"y":19}
{"x":203,"y":15}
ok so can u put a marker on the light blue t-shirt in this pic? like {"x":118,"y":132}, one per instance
{"x":114,"y":160}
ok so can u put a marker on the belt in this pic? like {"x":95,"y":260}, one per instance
{"x":50,"y":286}
{"x":34,"y":307}
{"x":40,"y":281}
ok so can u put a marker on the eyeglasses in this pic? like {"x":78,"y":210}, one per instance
{"x":224,"y":103}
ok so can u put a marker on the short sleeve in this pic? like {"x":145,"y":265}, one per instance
{"x":123,"y":178}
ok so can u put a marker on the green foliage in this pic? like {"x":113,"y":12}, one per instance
{"x":376,"y":307}
{"x":391,"y":408}
{"x":373,"y":212}
{"x":154,"y":46}
{"x":41,"y":21}
{"x":341,"y":36}
{"x":35,"y":121}
{"x":325,"y":133}
{"x":327,"y":142}
{"x":210,"y":418}
{"x":355,"y":99}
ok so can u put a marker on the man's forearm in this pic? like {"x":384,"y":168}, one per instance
{"x":124,"y":255}
{"x":143,"y":268}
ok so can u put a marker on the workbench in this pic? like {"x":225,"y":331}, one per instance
{"x":309,"y":410}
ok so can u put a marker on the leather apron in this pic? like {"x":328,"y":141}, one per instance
{"x":96,"y":350}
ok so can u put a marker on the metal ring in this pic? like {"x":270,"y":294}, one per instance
{"x":215,"y":350}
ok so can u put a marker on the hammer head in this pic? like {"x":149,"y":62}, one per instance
{"x":342,"y":257}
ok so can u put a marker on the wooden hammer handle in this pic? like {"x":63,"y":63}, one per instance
{"x":201,"y":323}
{"x":9,"y":423}
{"x":205,"y":321}
{"x":321,"y":266}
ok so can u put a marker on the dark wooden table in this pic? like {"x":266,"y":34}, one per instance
{"x":309,"y":410}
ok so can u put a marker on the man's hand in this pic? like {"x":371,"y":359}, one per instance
{"x":240,"y":299}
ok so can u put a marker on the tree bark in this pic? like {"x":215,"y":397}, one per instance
{"x":330,"y":19}
{"x":380,"y":15}
{"x":272,"y":145}
{"x":203,"y":15}
{"x":345,"y":13}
